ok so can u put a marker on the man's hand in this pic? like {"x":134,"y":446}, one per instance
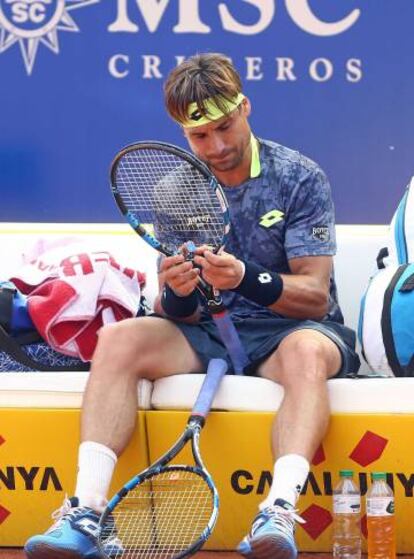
{"x":222,"y":271}
{"x":179,"y":274}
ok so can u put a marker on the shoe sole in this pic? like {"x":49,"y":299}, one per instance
{"x":44,"y":551}
{"x":271,"y":548}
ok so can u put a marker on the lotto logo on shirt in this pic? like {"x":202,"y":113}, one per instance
{"x":271,"y":218}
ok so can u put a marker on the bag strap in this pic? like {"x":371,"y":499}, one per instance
{"x":400,"y":238}
{"x":386,"y":325}
{"x":7,"y":295}
{"x":6,"y":306}
{"x":410,"y":368}
{"x":12,"y":347}
{"x":382,"y":255}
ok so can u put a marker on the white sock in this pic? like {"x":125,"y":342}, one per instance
{"x":96,"y":464}
{"x":289,"y":476}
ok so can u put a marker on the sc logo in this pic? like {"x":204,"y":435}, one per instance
{"x":22,"y":12}
{"x":28,"y":22}
{"x":30,"y":18}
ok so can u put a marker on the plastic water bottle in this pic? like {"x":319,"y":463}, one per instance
{"x":380,"y":519}
{"x":346,"y":518}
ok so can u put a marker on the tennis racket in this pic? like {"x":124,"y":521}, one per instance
{"x":171,"y":199}
{"x":167,"y":511}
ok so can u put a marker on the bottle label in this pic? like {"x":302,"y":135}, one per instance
{"x":380,"y":506}
{"x":346,"y":504}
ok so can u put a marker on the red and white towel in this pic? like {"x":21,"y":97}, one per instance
{"x":73,"y":293}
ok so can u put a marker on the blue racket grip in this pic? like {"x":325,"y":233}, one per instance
{"x":232,"y":342}
{"x":216,"y":370}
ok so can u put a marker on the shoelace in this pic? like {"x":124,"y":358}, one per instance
{"x":284,"y":519}
{"x":65,"y":511}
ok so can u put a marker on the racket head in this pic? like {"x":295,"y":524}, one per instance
{"x":166,"y":513}
{"x":161,"y":185}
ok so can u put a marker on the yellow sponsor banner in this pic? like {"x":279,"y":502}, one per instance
{"x":38,"y":461}
{"x":236,"y":450}
{"x":38,"y":456}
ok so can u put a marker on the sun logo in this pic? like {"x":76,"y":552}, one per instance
{"x":30,"y":22}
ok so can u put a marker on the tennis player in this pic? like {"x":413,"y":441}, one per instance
{"x":278,"y":282}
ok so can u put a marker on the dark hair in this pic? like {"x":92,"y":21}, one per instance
{"x":198,"y":78}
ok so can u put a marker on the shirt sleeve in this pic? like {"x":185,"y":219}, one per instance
{"x":310,"y":223}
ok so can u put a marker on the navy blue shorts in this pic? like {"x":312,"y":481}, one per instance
{"x":261,"y":336}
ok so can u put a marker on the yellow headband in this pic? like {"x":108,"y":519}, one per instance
{"x":196,"y":118}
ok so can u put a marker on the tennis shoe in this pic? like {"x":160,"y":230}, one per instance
{"x":73,"y":535}
{"x":273,"y":533}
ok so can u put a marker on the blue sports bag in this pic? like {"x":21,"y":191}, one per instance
{"x":400,"y":246}
{"x":386,"y":321}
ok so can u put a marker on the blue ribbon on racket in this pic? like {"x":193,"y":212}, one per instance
{"x":225,"y":326}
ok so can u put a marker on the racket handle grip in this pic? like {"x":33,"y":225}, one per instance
{"x":216,"y":370}
{"x":231,"y":340}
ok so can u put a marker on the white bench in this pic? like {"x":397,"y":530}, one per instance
{"x":354,"y":263}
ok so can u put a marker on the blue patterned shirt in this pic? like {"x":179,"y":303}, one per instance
{"x":286,"y":212}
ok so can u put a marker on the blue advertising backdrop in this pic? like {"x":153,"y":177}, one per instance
{"x":82,"y":78}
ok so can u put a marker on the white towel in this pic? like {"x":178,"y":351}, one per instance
{"x":73,"y":292}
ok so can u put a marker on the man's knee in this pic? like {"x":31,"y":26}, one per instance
{"x":121,"y":341}
{"x":305,"y":356}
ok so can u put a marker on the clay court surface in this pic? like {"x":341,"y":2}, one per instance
{"x":18,"y":554}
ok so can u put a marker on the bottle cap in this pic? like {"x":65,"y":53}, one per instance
{"x":346,"y":473}
{"x":378,"y":475}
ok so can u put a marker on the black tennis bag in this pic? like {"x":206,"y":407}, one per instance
{"x":24,"y":349}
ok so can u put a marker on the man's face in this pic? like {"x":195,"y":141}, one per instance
{"x":222,"y":144}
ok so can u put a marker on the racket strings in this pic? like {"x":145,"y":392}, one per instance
{"x":160,"y":188}
{"x":163,"y":516}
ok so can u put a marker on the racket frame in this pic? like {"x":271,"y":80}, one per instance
{"x":216,"y":370}
{"x":189,"y":158}
{"x":192,"y":432}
